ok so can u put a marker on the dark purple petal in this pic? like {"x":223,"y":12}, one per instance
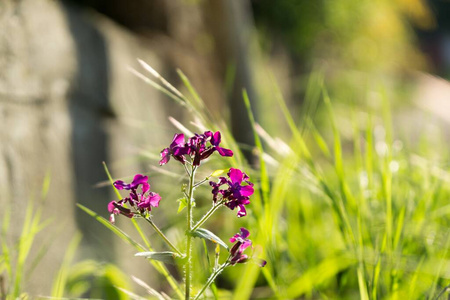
{"x":180,"y":158}
{"x":165,"y":157}
{"x":260,"y":262}
{"x":231,"y":204}
{"x":120,"y":185}
{"x":215,"y":139}
{"x":235,"y":175}
{"x":207,"y":153}
{"x":244,"y":233}
{"x":241,"y":237}
{"x":206,"y":135}
{"x":239,"y":258}
{"x":235,"y":247}
{"x":123,"y":210}
{"x":197,"y":159}
{"x":224,"y":152}
{"x":177,"y":151}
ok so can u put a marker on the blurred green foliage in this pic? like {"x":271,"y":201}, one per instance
{"x":353,"y":209}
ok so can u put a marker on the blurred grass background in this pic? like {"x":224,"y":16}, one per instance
{"x":348,"y":146}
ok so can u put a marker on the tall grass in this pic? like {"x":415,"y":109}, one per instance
{"x":17,"y":260}
{"x":343,"y":210}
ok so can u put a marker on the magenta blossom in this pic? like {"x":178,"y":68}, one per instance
{"x":142,"y":201}
{"x":177,"y":150}
{"x":238,"y":191}
{"x":237,"y":255}
{"x":200,"y":149}
{"x":197,"y":148}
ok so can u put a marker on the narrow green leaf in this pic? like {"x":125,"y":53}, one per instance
{"x":164,"y":256}
{"x":125,"y":237}
{"x":208,"y":235}
{"x":60,"y":281}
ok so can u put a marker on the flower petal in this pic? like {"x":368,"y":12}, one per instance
{"x":241,"y":211}
{"x":245,"y":245}
{"x":178,"y":139}
{"x":154,"y":199}
{"x":111,"y":206}
{"x":244,"y":233}
{"x":120,"y":185}
{"x":145,"y":187}
{"x":224,"y":152}
{"x":137,"y":180}
{"x":215,"y":138}
{"x":235,"y":175}
{"x":165,"y":156}
{"x":260,"y":262}
{"x":247,"y":190}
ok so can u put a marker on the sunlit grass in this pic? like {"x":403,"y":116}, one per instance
{"x":365,"y":216}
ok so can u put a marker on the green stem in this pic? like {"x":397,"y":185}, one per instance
{"x":207,"y":215}
{"x":211,"y":279}
{"x":189,"y":230}
{"x":201,"y":182}
{"x":161,"y":234}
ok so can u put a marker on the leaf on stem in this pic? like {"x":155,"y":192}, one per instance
{"x":182,"y":204}
{"x":164,"y":256}
{"x":218,"y":172}
{"x":208,"y":235}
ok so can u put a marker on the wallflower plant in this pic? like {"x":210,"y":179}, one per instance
{"x":232,"y":191}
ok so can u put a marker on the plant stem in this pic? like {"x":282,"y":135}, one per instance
{"x":211,"y":279}
{"x":207,"y":215}
{"x":201,"y":182}
{"x":168,"y":242}
{"x":189,"y":230}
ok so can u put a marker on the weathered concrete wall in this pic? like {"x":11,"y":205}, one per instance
{"x":67,"y":103}
{"x":38,"y":65}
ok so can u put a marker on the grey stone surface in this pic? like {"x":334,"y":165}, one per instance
{"x":67,"y":103}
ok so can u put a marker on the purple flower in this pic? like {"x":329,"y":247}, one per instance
{"x":137,"y":180}
{"x":237,"y":255}
{"x":116,"y":207}
{"x":177,"y":150}
{"x":236,"y":194}
{"x":142,"y":200}
{"x":198,"y":148}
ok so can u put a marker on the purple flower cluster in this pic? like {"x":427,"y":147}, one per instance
{"x":142,"y":201}
{"x":237,"y":255}
{"x":233,"y":191}
{"x":237,"y":192}
{"x":198,"y":148}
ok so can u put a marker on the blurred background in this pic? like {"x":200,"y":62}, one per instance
{"x":68,"y":101}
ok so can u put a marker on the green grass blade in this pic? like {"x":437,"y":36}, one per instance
{"x":265,"y":182}
{"x":116,"y":230}
{"x":60,"y":280}
{"x":123,"y":236}
{"x":312,"y":278}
